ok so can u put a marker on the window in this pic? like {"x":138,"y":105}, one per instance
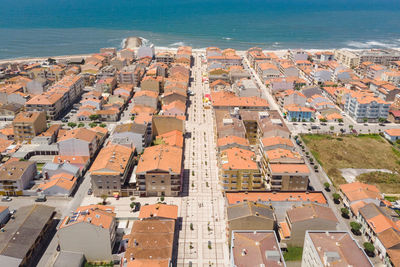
{"x":162,"y":181}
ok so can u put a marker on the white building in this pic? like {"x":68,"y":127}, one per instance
{"x":364,"y":106}
{"x":78,"y":142}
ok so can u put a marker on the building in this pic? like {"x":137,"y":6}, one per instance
{"x":392,"y":134}
{"x":24,"y":239}
{"x":227,"y":142}
{"x":250,"y":216}
{"x":298,"y":113}
{"x":287,"y":177}
{"x":256,"y":248}
{"x":78,"y":142}
{"x":111,"y":169}
{"x":387,"y":246}
{"x":173,"y":138}
{"x":239,"y":170}
{"x":90,"y":230}
{"x":16,"y":176}
{"x":159,"y":211}
{"x":131,"y":135}
{"x":302,"y":218}
{"x":347,"y":58}
{"x":332,"y":248}
{"x":274,"y":142}
{"x":356,"y":195}
{"x":150,"y":243}
{"x":365,"y":107}
{"x":60,"y":184}
{"x":27,"y":125}
{"x":159,"y":171}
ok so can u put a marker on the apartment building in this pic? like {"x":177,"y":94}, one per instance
{"x":287,"y":177}
{"x":267,"y":70}
{"x":329,"y":248}
{"x":111,"y":170}
{"x":90,"y":230}
{"x":159,"y":171}
{"x":239,"y":170}
{"x":131,"y":135}
{"x":165,"y":57}
{"x":348,"y":58}
{"x":49,"y":102}
{"x":27,"y":125}
{"x":365,"y":107}
{"x":15,"y":176}
{"x":255,"y":54}
{"x":295,"y":112}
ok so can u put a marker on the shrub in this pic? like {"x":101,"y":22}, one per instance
{"x":336,"y":198}
{"x":369,"y":248}
{"x":345,"y":213}
{"x":80,"y":125}
{"x":355,"y":228}
{"x":103,"y":125}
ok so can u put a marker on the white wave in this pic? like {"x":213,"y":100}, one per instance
{"x":177,"y":44}
{"x":370,"y":44}
{"x":145,"y":42}
{"x":227,"y":38}
{"x":123,"y":43}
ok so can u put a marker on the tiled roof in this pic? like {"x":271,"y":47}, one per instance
{"x":159,"y":210}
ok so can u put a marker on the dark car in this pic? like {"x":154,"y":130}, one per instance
{"x":41,"y":199}
{"x":381,"y":124}
{"x":90,"y":191}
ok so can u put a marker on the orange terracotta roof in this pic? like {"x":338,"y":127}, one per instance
{"x":160,"y":157}
{"x":229,"y":99}
{"x":99,"y":215}
{"x":137,"y":109}
{"x":317,"y":197}
{"x":284,"y":229}
{"x":310,"y":212}
{"x":159,"y":210}
{"x":289,"y":168}
{"x":393,"y":132}
{"x":148,"y":263}
{"x":356,"y":206}
{"x":238,"y":159}
{"x":381,"y":223}
{"x":232,"y":140}
{"x":112,"y":159}
{"x":63,"y":180}
{"x":173,"y":138}
{"x":294,"y":107}
{"x":80,"y":133}
{"x":279,"y":153}
{"x":359,"y":191}
{"x":175,"y":104}
{"x":276,"y":140}
{"x":71,"y":159}
{"x":7,"y":131}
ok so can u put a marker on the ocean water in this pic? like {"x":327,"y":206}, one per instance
{"x":62,"y":27}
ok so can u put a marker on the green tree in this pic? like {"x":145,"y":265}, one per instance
{"x":103,"y":125}
{"x":104,"y":197}
{"x":326,"y":185}
{"x":351,"y":127}
{"x":71,"y":124}
{"x":355,"y":227}
{"x":94,"y":117}
{"x":312,"y":120}
{"x":340,"y":120}
{"x":336,"y":197}
{"x":382,"y":120}
{"x":323,"y":120}
{"x":294,"y":119}
{"x":92,"y":124}
{"x":332,"y":128}
{"x":345,"y":212}
{"x":81,"y":124}
{"x":369,"y":248}
{"x":133,"y":118}
{"x":365,"y":120}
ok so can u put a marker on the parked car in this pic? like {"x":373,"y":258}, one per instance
{"x":6,"y":199}
{"x":90,"y":191}
{"x":41,"y":199}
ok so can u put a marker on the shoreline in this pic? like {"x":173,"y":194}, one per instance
{"x":131,"y":43}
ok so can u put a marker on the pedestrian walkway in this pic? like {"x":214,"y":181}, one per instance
{"x":202,"y":239}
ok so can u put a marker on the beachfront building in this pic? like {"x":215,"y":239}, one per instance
{"x":347,"y":58}
{"x":363,"y":107}
{"x":295,"y":112}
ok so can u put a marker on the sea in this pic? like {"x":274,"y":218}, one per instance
{"x":30,"y":28}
